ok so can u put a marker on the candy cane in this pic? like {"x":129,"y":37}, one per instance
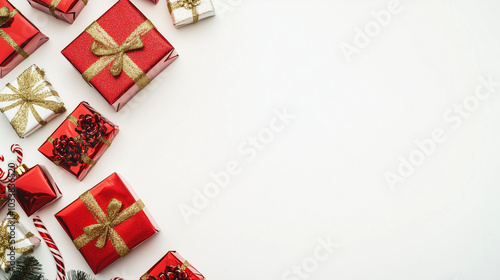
{"x":61,"y":271}
{"x":16,"y":149}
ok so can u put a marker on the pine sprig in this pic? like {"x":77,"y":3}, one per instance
{"x":27,"y":268}
{"x":78,"y":275}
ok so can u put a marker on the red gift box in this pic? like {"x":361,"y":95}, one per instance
{"x":66,"y":10}
{"x":19,"y":38}
{"x":120,"y":53}
{"x":80,"y":141}
{"x":172,"y":266}
{"x":35,"y":188}
{"x":107,"y":222}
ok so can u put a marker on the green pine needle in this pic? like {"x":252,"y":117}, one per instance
{"x":27,"y":268}
{"x":78,"y":275}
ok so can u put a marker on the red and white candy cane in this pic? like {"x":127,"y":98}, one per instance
{"x":61,"y":270}
{"x":16,"y":149}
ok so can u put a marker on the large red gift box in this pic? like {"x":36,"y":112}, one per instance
{"x":80,"y":141}
{"x":172,"y":266}
{"x":19,"y":38}
{"x":107,"y":222}
{"x":66,"y":10}
{"x":120,"y":53}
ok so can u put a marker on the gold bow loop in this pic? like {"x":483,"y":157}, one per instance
{"x":6,"y":15}
{"x":104,"y":228}
{"x":110,"y":52}
{"x":189,"y":4}
{"x":33,"y":91}
{"x":102,"y":49}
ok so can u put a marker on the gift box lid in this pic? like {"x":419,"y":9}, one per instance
{"x":116,"y":27}
{"x":110,"y":203}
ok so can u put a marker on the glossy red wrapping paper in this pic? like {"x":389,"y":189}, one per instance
{"x":26,"y":36}
{"x":66,"y":10}
{"x":35,"y":189}
{"x":3,"y":195}
{"x":119,"y":22}
{"x":68,"y":128}
{"x":172,"y":258}
{"x":133,"y":231}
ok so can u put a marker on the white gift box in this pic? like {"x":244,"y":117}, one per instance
{"x":30,"y":101}
{"x":20,"y":241}
{"x":185,"y":12}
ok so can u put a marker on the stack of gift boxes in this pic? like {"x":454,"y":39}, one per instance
{"x":118,"y":55}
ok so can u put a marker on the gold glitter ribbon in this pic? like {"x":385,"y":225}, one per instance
{"x":106,"y":47}
{"x":104,"y":228}
{"x":33,"y":90}
{"x":5,"y":17}
{"x":146,"y":276}
{"x":5,"y":238}
{"x":53,"y":6}
{"x":186,"y":4}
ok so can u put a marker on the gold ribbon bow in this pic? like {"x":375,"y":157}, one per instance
{"x":5,"y":17}
{"x":104,"y":228}
{"x":33,"y":91}
{"x":106,"y":47}
{"x":5,"y":238}
{"x":186,"y":4}
{"x":53,"y":6}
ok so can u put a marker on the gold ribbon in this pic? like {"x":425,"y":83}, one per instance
{"x":186,"y":4}
{"x":106,"y":47}
{"x":5,"y":238}
{"x":5,"y":17}
{"x":104,"y":228}
{"x":53,"y":6}
{"x":33,"y":90}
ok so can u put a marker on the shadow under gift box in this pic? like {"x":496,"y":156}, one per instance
{"x":95,"y":209}
{"x":140,"y":64}
{"x":17,"y":31}
{"x":35,"y":188}
{"x":171,"y":261}
{"x":66,"y":10}
{"x":79,"y":160}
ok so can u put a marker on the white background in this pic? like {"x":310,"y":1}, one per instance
{"x":322,"y":176}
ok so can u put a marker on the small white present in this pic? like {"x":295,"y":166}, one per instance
{"x":185,"y":12}
{"x":30,"y":101}
{"x":15,"y":241}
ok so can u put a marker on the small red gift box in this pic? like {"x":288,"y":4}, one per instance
{"x":107,"y":222}
{"x":18,"y":38}
{"x":66,"y":10}
{"x":172,"y":266}
{"x":80,"y":141}
{"x":120,"y":53}
{"x":35,"y":188}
